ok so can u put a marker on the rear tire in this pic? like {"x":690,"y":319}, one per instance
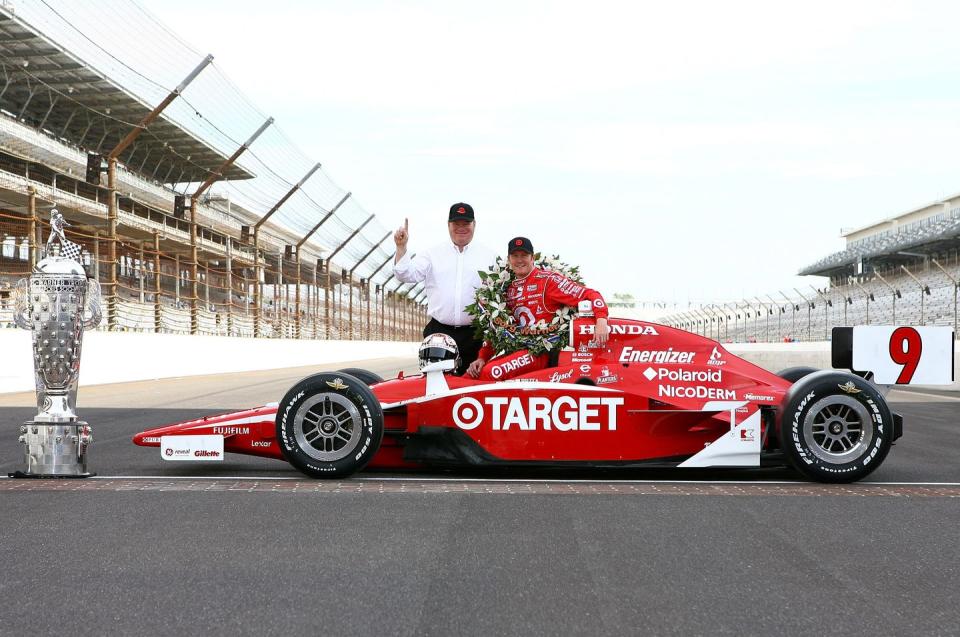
{"x":835,"y":427}
{"x":793,"y":374}
{"x":363,"y":375}
{"x":329,"y":425}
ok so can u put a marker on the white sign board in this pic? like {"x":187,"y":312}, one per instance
{"x":191,"y":448}
{"x":905,"y":355}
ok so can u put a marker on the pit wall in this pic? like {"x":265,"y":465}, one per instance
{"x":112,"y":357}
{"x":116,"y":357}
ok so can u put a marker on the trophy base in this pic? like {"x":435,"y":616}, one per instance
{"x":55,"y":450}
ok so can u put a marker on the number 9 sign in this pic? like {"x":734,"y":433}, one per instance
{"x":904,"y":355}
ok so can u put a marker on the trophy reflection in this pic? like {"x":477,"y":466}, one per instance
{"x":57,"y":302}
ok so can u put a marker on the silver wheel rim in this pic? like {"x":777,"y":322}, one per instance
{"x":328,"y":427}
{"x":838,"y":429}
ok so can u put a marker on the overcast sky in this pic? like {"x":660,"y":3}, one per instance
{"x":675,"y":150}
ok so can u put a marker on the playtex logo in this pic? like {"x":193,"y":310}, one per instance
{"x":191,"y":448}
{"x":533,"y":413}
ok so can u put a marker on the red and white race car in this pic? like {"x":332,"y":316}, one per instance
{"x":655,"y":396}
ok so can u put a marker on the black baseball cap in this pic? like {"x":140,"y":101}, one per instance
{"x":519,"y":243}
{"x":461,"y":212}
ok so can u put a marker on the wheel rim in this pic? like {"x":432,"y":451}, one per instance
{"x":328,"y":427}
{"x":837,"y":429}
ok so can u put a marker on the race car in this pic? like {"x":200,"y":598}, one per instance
{"x":653,"y":396}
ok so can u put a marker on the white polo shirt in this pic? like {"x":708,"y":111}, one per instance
{"x":450,"y":278}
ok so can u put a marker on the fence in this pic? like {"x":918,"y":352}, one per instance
{"x":926,"y":293}
{"x":155,"y":291}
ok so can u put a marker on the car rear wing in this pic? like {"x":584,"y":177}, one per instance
{"x":896,"y":355}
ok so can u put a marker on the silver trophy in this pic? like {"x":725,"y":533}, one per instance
{"x":57,"y":302}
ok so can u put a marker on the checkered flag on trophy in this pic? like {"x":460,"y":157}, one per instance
{"x":68,"y":248}
{"x":71,"y":250}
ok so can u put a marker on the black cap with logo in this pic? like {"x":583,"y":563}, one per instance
{"x":461,"y":212}
{"x":519,"y":243}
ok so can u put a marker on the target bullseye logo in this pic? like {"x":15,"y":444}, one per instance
{"x":467,"y":413}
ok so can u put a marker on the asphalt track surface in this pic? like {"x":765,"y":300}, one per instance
{"x":248,"y":546}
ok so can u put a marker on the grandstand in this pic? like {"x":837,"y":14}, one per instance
{"x":902,"y":270}
{"x":195,"y":211}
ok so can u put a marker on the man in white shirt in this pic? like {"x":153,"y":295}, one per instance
{"x":449,"y":272}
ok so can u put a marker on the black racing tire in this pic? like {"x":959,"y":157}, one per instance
{"x":793,"y":374}
{"x":365,"y":375}
{"x":835,"y":427}
{"x":329,"y":425}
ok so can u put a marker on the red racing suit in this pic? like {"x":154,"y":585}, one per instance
{"x":533,"y":298}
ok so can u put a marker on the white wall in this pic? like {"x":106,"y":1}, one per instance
{"x":113,"y":357}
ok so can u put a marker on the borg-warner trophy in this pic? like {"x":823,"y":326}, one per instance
{"x":57,"y":302}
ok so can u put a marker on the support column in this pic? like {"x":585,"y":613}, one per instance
{"x":157,"y":311}
{"x":33,"y":246}
{"x":229,"y":286}
{"x":112,"y":267}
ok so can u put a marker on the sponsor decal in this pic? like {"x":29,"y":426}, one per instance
{"x":746,"y":434}
{"x":533,"y":413}
{"x":524,"y":316}
{"x":630,"y":330}
{"x":582,"y":358}
{"x":849,"y":387}
{"x":567,"y":286}
{"x":716,"y":358}
{"x":584,"y":369}
{"x":260,"y":443}
{"x":499,"y":370}
{"x":598,"y":303}
{"x":632,"y":355}
{"x":559,"y":377}
{"x":684,"y":375}
{"x":192,"y":447}
{"x":232,"y":431}
{"x":337,"y":383}
{"x":531,"y":287}
{"x":758,"y":397}
{"x":606,"y":380}
{"x":151,"y":439}
{"x":710,"y":393}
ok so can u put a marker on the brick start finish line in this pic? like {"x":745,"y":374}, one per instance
{"x":495,"y":487}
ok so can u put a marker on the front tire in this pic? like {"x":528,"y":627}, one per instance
{"x":329,"y":425}
{"x":835,"y":427}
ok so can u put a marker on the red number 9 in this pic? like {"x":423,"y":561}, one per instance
{"x":905,"y":348}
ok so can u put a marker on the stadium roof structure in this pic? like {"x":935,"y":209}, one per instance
{"x":902,"y":246}
{"x":48,"y":88}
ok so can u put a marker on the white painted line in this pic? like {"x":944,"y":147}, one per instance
{"x":517,"y":480}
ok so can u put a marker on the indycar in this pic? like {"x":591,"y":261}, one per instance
{"x":653,"y":396}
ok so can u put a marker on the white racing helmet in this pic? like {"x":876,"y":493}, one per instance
{"x":439,"y":347}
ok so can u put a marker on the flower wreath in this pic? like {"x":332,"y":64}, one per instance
{"x":494,"y":323}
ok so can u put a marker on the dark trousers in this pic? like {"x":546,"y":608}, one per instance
{"x":468,"y":345}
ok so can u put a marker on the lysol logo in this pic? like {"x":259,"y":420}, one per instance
{"x":587,"y":413}
{"x":631,"y":355}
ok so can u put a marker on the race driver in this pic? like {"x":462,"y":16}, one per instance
{"x":535,"y":295}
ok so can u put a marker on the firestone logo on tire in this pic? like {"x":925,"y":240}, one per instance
{"x":532,"y":413}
